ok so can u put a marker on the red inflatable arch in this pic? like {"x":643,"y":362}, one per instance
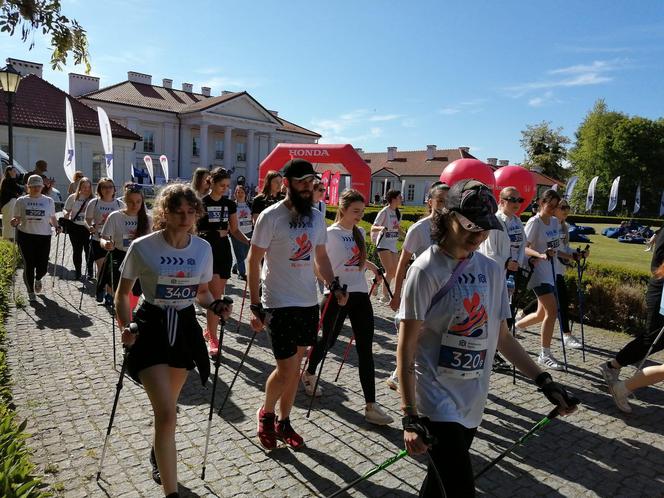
{"x":344,"y":154}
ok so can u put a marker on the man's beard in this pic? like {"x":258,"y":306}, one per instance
{"x":301,"y":204}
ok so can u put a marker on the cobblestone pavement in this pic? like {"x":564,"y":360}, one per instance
{"x":61,"y":362}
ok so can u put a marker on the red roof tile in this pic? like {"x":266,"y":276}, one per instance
{"x":293,"y":128}
{"x":42,"y":105}
{"x":414,"y":162}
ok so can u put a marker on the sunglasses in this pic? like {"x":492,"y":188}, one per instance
{"x":520,"y":200}
{"x":320,"y":189}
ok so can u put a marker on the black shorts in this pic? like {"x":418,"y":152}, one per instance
{"x":543,"y":290}
{"x":381,"y":249}
{"x":153,"y":344}
{"x":222,"y":256}
{"x":97,"y":251}
{"x":291,"y":327}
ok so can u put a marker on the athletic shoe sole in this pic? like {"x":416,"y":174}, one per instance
{"x":391,"y":384}
{"x":258,"y":428}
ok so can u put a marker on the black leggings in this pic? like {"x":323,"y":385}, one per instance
{"x":34,"y":249}
{"x":635,"y":350}
{"x":563,"y":302}
{"x":451,"y":454}
{"x":80,"y":242}
{"x":359,"y":310}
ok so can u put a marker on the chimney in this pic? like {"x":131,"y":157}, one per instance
{"x":136,"y":77}
{"x":187,"y":87}
{"x":503,"y":162}
{"x":226,"y":92}
{"x":275,"y":113}
{"x":26,"y":67}
{"x":359,"y":150}
{"x":431,"y":152}
{"x":205,"y":90}
{"x":167,"y":83}
{"x":80,"y":84}
{"x":391,"y":153}
{"x":493,"y":161}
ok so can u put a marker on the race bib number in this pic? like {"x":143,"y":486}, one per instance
{"x":214,"y":214}
{"x":462,"y":357}
{"x":126,"y":240}
{"x":392,"y":235}
{"x":35,"y":213}
{"x":176,"y":291}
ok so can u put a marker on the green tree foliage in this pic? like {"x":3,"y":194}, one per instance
{"x":610,"y":144}
{"x":545,"y":148}
{"x":30,"y":16}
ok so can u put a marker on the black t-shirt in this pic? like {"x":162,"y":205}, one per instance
{"x":658,"y":250}
{"x":10,"y":190}
{"x":262,"y":202}
{"x":216,"y":214}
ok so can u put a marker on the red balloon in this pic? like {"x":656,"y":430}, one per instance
{"x":519,"y":178}
{"x":462,"y":169}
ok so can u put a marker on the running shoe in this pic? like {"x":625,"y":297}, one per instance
{"x":243,"y":278}
{"x":611,"y":375}
{"x":572,"y":342}
{"x":287,"y":434}
{"x":156,"y":476}
{"x":32,"y":297}
{"x":548,"y":361}
{"x":500,"y":365}
{"x":213,"y":343}
{"x":393,"y":381}
{"x":108,"y":300}
{"x":375,"y":415}
{"x":620,"y":394}
{"x":100,"y":296}
{"x":265,"y":431}
{"x":38,"y":286}
{"x":309,"y":381}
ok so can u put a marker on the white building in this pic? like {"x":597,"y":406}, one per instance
{"x":39,"y":131}
{"x":193,"y":129}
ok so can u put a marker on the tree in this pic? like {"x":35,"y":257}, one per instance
{"x":610,"y":144}
{"x":545,"y":148}
{"x":67,"y":35}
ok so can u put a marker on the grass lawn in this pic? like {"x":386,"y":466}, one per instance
{"x":610,"y":251}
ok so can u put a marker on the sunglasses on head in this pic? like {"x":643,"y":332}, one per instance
{"x":514,"y":199}
{"x":133,"y":188}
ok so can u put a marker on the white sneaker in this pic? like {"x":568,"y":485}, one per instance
{"x":519,"y":315}
{"x":547,"y":360}
{"x":393,"y":381}
{"x":611,"y":375}
{"x":620,"y":395}
{"x":374,"y":415}
{"x":309,"y":381}
{"x":572,"y":342}
{"x":38,"y":286}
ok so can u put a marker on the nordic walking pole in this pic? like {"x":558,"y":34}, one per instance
{"x":551,"y":415}
{"x":87,"y":273}
{"x":244,"y":297}
{"x":55,"y":265}
{"x":110,"y":255}
{"x":580,"y":268}
{"x":237,"y":372}
{"x":560,"y":317}
{"x":133,"y":328}
{"x":370,"y":473}
{"x":222,"y":322}
{"x":64,"y":251}
{"x":352,"y":337}
{"x":320,"y":324}
{"x":327,"y":347}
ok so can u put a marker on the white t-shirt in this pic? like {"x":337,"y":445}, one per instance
{"x":169,"y":276}
{"x":35,"y":214}
{"x":459,"y":336}
{"x":418,"y":237}
{"x":542,"y":236}
{"x":345,"y":258}
{"x":564,"y":247}
{"x":73,"y":207}
{"x":99,"y":210}
{"x":244,"y":218}
{"x":288,"y":270}
{"x":387,"y":217}
{"x":121,"y":229}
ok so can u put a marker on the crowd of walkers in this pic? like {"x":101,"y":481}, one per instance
{"x":451,"y":287}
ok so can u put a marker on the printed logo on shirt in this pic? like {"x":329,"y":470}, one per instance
{"x":130,"y":227}
{"x":302,"y":250}
{"x":355,"y":258}
{"x":40,"y":213}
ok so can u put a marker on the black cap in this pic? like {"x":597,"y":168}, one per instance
{"x":474,"y":205}
{"x":298,"y":169}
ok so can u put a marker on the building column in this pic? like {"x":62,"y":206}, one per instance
{"x":272,"y":143}
{"x":203,"y":142}
{"x":252,"y":167}
{"x":185,"y":153}
{"x":229,"y":153}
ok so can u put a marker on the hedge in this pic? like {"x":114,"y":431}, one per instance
{"x":17,"y":473}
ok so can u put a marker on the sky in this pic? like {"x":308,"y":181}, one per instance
{"x":379,"y":73}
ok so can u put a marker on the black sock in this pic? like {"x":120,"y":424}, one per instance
{"x":610,"y":365}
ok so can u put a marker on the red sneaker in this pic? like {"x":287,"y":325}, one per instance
{"x":213,"y":347}
{"x":265,"y":431}
{"x":287,"y":434}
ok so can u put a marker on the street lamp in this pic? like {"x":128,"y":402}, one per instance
{"x":9,"y":80}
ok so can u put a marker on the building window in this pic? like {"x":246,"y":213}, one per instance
{"x":219,"y":150}
{"x":148,"y":141}
{"x":410,"y":195}
{"x":195,"y":147}
{"x":98,"y":167}
{"x":241,"y":151}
